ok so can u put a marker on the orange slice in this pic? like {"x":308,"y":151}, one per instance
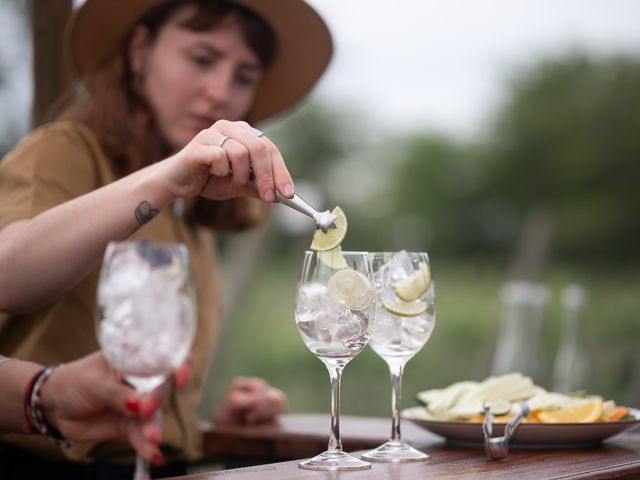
{"x":588,"y":412}
{"x":617,"y":414}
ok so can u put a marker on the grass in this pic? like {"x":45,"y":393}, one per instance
{"x":262,"y":340}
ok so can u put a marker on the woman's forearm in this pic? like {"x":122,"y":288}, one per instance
{"x":14,"y":376}
{"x":47,"y":255}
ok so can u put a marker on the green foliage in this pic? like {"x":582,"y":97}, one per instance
{"x":567,"y":138}
{"x":313,"y":138}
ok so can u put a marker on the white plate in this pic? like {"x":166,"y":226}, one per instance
{"x":531,"y":435}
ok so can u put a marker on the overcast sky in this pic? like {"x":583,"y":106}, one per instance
{"x":418,"y":62}
{"x":442,"y":63}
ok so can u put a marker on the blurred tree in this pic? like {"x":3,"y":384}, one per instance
{"x":313,"y":138}
{"x":567,"y":140}
{"x":434,"y":180}
{"x":558,"y":164}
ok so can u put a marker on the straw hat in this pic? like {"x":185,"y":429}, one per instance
{"x":303,"y":44}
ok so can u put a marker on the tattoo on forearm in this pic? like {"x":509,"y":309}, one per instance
{"x":145,"y":213}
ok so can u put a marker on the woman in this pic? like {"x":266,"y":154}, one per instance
{"x":157,"y":146}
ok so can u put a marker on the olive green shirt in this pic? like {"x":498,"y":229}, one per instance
{"x":52,"y":165}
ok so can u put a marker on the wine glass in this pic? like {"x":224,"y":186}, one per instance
{"x":404,"y":319}
{"x":335,"y":302}
{"x":146,"y":314}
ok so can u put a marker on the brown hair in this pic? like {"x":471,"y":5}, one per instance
{"x":124,"y":124}
{"x":120,"y":118}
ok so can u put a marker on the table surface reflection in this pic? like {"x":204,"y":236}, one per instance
{"x":298,"y":436}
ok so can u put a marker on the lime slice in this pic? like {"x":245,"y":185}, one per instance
{"x":333,"y":237}
{"x":351,"y":288}
{"x":405,"y":309}
{"x":333,"y":258}
{"x":414,"y":285}
{"x":499,"y":406}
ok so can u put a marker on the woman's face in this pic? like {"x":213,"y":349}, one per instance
{"x":192,"y":79}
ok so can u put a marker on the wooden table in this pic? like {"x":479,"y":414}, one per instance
{"x":300,"y":436}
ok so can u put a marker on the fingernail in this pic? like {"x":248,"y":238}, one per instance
{"x":157,"y":458}
{"x":269,"y":196}
{"x":132,"y":404}
{"x":289,"y":190}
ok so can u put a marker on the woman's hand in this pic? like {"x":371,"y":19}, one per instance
{"x":221,"y":161}
{"x":249,"y":401}
{"x":86,"y":402}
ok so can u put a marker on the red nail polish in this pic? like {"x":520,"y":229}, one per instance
{"x":132,"y":404}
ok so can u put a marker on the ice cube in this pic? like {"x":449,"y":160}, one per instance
{"x":385,"y":328}
{"x":416,"y":331}
{"x":350,"y":327}
{"x":397,"y":268}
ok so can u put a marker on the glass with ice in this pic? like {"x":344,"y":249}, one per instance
{"x":146,"y":314}
{"x":335,"y":301}
{"x":404,"y":319}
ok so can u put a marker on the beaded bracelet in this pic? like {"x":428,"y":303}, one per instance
{"x":36,"y":421}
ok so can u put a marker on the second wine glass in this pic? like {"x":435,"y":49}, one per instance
{"x":146,"y":314}
{"x":334,"y":305}
{"x":404,"y":319}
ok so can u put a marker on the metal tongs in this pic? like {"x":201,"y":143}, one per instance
{"x":498,"y":447}
{"x":324,"y":220}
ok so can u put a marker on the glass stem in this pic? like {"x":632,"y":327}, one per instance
{"x":396,"y":368}
{"x":142,"y":464}
{"x":335,"y":374}
{"x":142,"y":469}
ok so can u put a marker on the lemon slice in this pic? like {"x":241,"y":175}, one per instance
{"x":351,"y":288}
{"x":405,"y":309}
{"x":333,"y":237}
{"x":588,"y":412}
{"x":414,"y":285}
{"x":333,"y":258}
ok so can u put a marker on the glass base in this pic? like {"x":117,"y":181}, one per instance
{"x":334,"y":460}
{"x":396,"y":451}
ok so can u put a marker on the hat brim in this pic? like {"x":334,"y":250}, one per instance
{"x":304,"y":47}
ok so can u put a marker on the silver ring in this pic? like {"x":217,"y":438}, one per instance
{"x":256,"y":132}
{"x":221,"y":142}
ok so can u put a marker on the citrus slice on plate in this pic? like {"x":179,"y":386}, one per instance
{"x":333,"y":258}
{"x":405,"y":309}
{"x":323,"y":241}
{"x":588,"y":412}
{"x":499,"y":407}
{"x":414,"y":285}
{"x":351,"y":288}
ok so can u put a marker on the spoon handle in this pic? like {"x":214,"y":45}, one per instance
{"x":297,"y":203}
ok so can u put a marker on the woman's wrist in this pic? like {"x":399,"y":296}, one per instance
{"x":36,"y":403}
{"x":48,"y":398}
{"x":151,"y":192}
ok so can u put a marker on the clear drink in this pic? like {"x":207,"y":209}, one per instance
{"x":335,"y":302}
{"x":404,"y":320}
{"x":329,"y":328}
{"x":146,"y":314}
{"x":393,"y":336}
